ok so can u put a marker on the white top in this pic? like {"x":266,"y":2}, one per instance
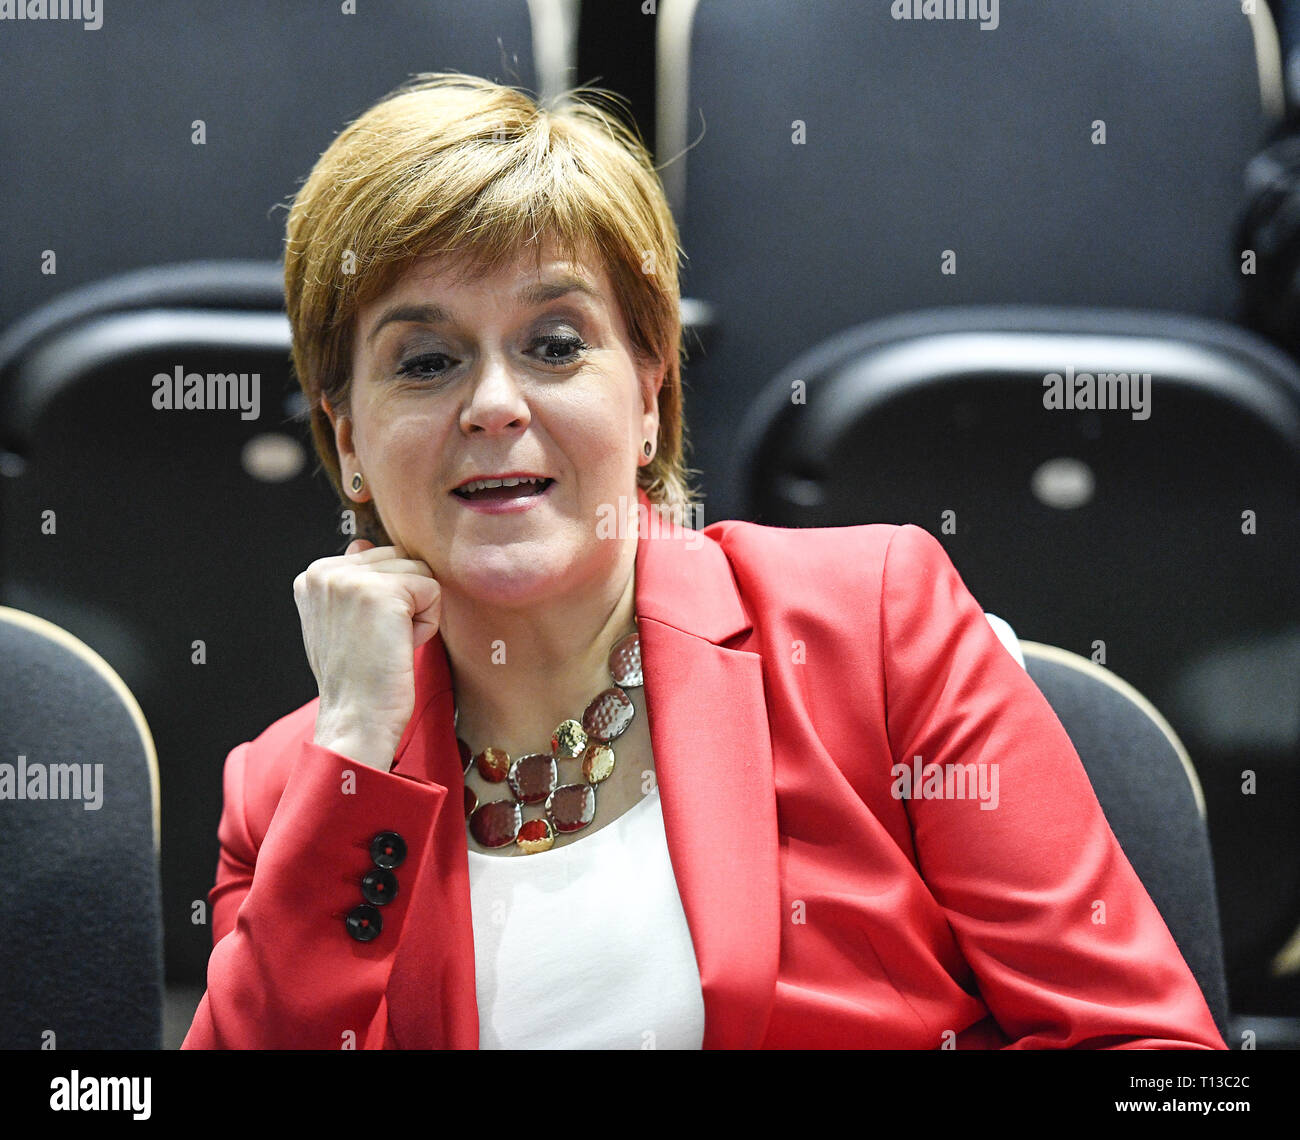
{"x":586,"y":946}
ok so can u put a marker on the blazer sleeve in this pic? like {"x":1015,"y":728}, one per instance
{"x":284,"y":972}
{"x":1067,"y":948}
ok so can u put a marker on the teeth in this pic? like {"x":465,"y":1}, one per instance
{"x":487,"y":484}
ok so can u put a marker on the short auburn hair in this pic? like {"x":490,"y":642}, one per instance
{"x":454,"y":164}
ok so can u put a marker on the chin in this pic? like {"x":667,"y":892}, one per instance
{"x":506,"y":576}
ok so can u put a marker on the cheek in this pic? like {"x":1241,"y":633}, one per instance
{"x":598,"y":426}
{"x":406,"y":439}
{"x":401,"y":453}
{"x":597,"y":453}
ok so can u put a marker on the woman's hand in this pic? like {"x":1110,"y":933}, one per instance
{"x":364,"y":613}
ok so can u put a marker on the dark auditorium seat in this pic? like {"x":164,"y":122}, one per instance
{"x":81,"y":963}
{"x":171,"y":527}
{"x":927,"y":136}
{"x":99,"y":163}
{"x":1167,"y":546}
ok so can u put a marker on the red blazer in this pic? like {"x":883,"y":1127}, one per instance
{"x":786,"y":673}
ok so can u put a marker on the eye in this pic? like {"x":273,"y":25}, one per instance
{"x":572,"y":348}
{"x":424,"y":366}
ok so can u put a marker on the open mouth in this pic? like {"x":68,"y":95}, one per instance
{"x":497,"y":490}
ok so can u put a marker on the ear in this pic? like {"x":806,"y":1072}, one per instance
{"x":341,"y":422}
{"x":652,"y":381}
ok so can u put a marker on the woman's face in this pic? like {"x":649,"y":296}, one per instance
{"x":518,"y":372}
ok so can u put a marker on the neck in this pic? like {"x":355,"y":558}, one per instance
{"x":518,"y":673}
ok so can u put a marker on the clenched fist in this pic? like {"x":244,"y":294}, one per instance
{"x":364,"y":613}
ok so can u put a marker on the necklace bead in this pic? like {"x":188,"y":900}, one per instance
{"x":532,"y":778}
{"x":597,"y":763}
{"x":608,"y":715}
{"x":493,"y":765}
{"x":569,"y":740}
{"x":536,"y":835}
{"x":496,"y":823}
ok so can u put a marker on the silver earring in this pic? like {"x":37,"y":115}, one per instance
{"x":357,"y":480}
{"x":646,"y":448}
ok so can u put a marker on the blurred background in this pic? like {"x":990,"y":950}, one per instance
{"x":894,"y":229}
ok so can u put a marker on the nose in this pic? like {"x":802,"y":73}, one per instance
{"x":496,"y":400}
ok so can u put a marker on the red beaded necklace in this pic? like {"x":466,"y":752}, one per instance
{"x":534,"y":778}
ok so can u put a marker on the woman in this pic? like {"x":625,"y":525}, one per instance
{"x":729,"y":852}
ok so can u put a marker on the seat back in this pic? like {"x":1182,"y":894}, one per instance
{"x":176,"y":132}
{"x":1158,"y":522}
{"x":832,"y":164}
{"x":81,"y":963}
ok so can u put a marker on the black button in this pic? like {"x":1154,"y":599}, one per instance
{"x":379,"y":887}
{"x":365,"y":923}
{"x":388,"y":849}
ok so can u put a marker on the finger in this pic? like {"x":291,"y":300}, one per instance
{"x":425,"y":594}
{"x":401,"y":566}
{"x":372,"y":554}
{"x":422,"y":631}
{"x":357,"y":545}
{"x":426,"y":603}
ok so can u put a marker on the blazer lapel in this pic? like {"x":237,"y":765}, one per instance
{"x":713,"y":755}
{"x":713,"y":758}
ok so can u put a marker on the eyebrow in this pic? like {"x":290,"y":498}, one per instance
{"x":530,"y":296}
